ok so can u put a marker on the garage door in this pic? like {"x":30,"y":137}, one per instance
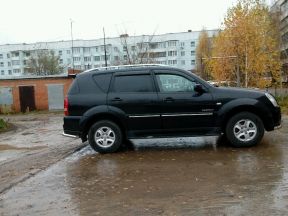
{"x":6,"y":99}
{"x":55,"y":96}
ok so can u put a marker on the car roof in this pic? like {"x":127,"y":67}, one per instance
{"x":128,"y":68}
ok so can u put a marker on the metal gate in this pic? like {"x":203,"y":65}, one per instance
{"x":6,"y":99}
{"x":27,"y":98}
{"x":55,"y":96}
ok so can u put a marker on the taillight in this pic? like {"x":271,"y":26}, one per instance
{"x":66,"y":104}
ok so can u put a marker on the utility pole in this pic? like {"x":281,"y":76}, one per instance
{"x":105,"y":48}
{"x":72,"y":41}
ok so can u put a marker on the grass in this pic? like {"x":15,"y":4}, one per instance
{"x":283,"y":102}
{"x":3,"y":125}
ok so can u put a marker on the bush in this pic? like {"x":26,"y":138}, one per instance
{"x":3,"y":124}
{"x":283,"y":102}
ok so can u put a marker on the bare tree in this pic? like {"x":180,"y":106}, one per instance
{"x":136,"y":50}
{"x":43,"y":62}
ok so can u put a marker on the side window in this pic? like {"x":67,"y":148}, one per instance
{"x":133,"y":83}
{"x":103,"y":81}
{"x":174,"y":83}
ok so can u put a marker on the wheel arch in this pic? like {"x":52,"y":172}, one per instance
{"x":253,"y":106}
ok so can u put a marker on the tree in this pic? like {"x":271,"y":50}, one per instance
{"x":203,"y":53}
{"x":43,"y":62}
{"x":136,"y":50}
{"x":246,"y":50}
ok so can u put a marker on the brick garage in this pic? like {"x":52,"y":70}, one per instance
{"x":16,"y":93}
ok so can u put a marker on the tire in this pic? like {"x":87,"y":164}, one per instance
{"x":244,"y":129}
{"x":105,"y":136}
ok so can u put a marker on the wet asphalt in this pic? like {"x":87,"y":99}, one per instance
{"x":181,"y":176}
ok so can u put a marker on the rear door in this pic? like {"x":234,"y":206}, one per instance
{"x":182,"y":107}
{"x":135,"y":95}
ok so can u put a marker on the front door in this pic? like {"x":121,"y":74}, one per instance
{"x":135,"y":95}
{"x":182,"y":107}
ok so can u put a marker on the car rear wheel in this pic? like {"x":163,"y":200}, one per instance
{"x":105,"y":136}
{"x":244,"y":129}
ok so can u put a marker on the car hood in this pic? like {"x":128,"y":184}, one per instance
{"x":232,"y":92}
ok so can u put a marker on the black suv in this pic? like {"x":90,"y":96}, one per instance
{"x":108,"y":106}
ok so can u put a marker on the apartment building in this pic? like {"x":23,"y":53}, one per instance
{"x":175,"y":49}
{"x":281,"y":8}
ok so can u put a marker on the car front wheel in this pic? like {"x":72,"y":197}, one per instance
{"x":244,"y":129}
{"x":105,"y":137}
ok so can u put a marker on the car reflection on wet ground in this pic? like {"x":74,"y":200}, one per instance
{"x":184,"y":176}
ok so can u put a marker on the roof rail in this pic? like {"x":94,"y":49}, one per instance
{"x":125,"y":66}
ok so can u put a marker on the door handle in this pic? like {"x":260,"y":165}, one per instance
{"x":116,"y":99}
{"x":168,"y":99}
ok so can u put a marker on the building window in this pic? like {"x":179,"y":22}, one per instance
{"x":182,"y":53}
{"x":116,"y":49}
{"x":24,"y":62}
{"x":15,"y":54}
{"x":61,"y":61}
{"x":86,"y":67}
{"x":192,"y":62}
{"x":182,"y":44}
{"x":87,"y":59}
{"x":172,"y":53}
{"x":2,"y":72}
{"x":86,"y":50}
{"x":1,"y":64}
{"x":1,"y":56}
{"x":192,"y":43}
{"x":8,"y":55}
{"x":60,"y":52}
{"x":172,"y":62}
{"x":76,"y":50}
{"x":27,"y":54}
{"x":172,"y":43}
{"x":9,"y":64}
{"x":182,"y":62}
{"x":96,"y":58}
{"x":103,"y":58}
{"x":76,"y":59}
{"x":16,"y":70}
{"x":15,"y":62}
{"x":68,"y":51}
{"x":124,"y":48}
{"x":193,"y":53}
{"x":78,"y":67}
{"x":9,"y":72}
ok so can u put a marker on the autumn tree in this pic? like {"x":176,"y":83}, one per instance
{"x":203,"y":53}
{"x":246,"y":50}
{"x":43,"y":62}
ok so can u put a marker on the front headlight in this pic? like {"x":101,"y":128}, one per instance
{"x":272,"y":99}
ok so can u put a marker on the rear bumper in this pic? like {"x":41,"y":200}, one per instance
{"x":69,"y":135}
{"x":71,"y":126}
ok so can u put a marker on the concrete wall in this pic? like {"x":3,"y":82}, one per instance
{"x":40,"y":88}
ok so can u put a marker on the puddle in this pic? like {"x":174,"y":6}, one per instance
{"x":5,"y":147}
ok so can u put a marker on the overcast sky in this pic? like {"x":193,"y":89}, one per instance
{"x":26,"y":21}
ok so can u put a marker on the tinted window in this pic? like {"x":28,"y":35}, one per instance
{"x":103,"y":81}
{"x":133,"y":83}
{"x":74,"y":89}
{"x":174,"y":83}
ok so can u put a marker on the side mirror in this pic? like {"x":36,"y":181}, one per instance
{"x":198,"y":88}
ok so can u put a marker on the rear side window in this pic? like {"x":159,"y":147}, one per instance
{"x":133,"y":83}
{"x":74,"y":89}
{"x":103,"y":81}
